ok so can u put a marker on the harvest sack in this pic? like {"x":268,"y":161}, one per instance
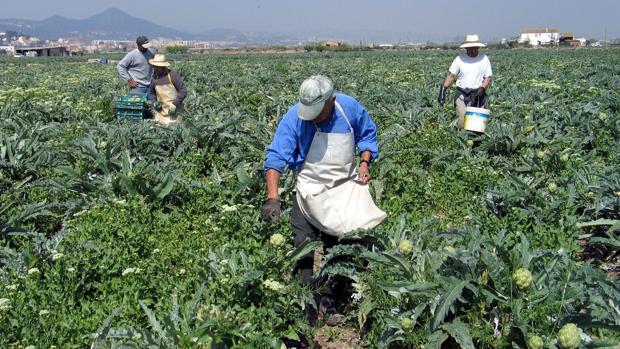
{"x":327,"y":193}
{"x":342,"y":209}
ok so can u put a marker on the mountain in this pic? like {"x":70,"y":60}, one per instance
{"x":223,"y":34}
{"x":260,"y":38}
{"x":111,"y":24}
{"x":114,"y":24}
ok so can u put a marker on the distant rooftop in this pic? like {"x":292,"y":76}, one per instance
{"x":37,"y":47}
{"x":535,"y":31}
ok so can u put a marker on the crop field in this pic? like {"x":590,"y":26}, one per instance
{"x":132,"y":235}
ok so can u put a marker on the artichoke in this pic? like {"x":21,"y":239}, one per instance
{"x":405,"y":247}
{"x":535,"y":342}
{"x":569,"y":337}
{"x":406,"y":323}
{"x":277,"y":240}
{"x":522,"y":278}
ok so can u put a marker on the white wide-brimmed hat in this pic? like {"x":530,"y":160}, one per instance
{"x":313,"y":93}
{"x":472,"y":41}
{"x":159,"y":61}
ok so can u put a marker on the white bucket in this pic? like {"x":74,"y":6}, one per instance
{"x":476,"y":119}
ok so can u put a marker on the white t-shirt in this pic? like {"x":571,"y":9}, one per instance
{"x":471,"y":71}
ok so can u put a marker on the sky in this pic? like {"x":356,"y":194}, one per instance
{"x":388,"y":20}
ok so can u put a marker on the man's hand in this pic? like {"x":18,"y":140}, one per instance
{"x":172,"y":109}
{"x":441,"y":99}
{"x":364,"y":173}
{"x":132,"y":83}
{"x":270,"y":211}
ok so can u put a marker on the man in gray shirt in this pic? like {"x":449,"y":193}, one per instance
{"x":135,"y":69}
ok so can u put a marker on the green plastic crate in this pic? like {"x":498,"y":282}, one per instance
{"x":131,"y":107}
{"x":131,"y":102}
{"x":134,"y":115}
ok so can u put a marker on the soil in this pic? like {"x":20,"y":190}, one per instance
{"x":328,"y":337}
{"x":608,"y":258}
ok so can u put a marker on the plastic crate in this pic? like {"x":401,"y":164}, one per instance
{"x":133,"y":115}
{"x":131,"y":107}
{"x":132,"y":102}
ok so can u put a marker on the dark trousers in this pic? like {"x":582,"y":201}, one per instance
{"x":470,"y":98}
{"x":303,"y":231}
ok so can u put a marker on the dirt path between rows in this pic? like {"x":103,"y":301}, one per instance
{"x":328,"y":337}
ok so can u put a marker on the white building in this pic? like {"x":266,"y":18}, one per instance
{"x":9,"y":49}
{"x":539,"y":37}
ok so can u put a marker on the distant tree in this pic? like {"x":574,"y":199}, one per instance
{"x":172,"y":49}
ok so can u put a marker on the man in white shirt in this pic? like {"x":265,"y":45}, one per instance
{"x":473,"y":75}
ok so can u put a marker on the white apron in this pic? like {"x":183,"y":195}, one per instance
{"x":166,"y":94}
{"x":327,"y":193}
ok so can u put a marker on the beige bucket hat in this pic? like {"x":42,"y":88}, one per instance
{"x":472,"y":40}
{"x":159,"y":61}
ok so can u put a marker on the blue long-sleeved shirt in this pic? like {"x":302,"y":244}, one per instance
{"x":294,"y":136}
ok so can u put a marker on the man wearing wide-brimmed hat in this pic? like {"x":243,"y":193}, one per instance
{"x":168,"y":90}
{"x":473,"y":75}
{"x":135,"y":69}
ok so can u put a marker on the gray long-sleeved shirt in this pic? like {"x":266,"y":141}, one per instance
{"x":178,"y":83}
{"x":135,"y":65}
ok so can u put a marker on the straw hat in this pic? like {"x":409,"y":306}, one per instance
{"x":159,"y":61}
{"x":313,"y":93}
{"x":472,"y":41}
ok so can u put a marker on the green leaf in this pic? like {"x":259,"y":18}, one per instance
{"x":401,"y":263}
{"x":302,"y":250}
{"x":290,"y":333}
{"x":436,"y":339}
{"x":613,"y":243}
{"x":128,"y":184}
{"x":598,"y":222}
{"x":452,"y":293}
{"x":164,"y":187}
{"x":365,"y":308}
{"x":615,"y":224}
{"x":460,"y":332}
{"x":174,"y":312}
{"x":242,"y":175}
{"x":403,"y":287}
{"x":192,"y":306}
{"x":603,"y":344}
{"x":157,"y":327}
{"x":389,"y":336}
{"x":104,"y":329}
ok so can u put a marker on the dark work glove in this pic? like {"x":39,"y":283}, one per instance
{"x":441,"y":99}
{"x":270,"y":211}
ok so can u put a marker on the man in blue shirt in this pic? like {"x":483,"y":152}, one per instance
{"x":320,"y":137}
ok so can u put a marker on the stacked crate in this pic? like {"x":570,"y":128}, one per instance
{"x":131,"y":107}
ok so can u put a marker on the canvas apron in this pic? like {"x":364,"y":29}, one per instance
{"x":326,"y":190}
{"x":166,"y":94}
